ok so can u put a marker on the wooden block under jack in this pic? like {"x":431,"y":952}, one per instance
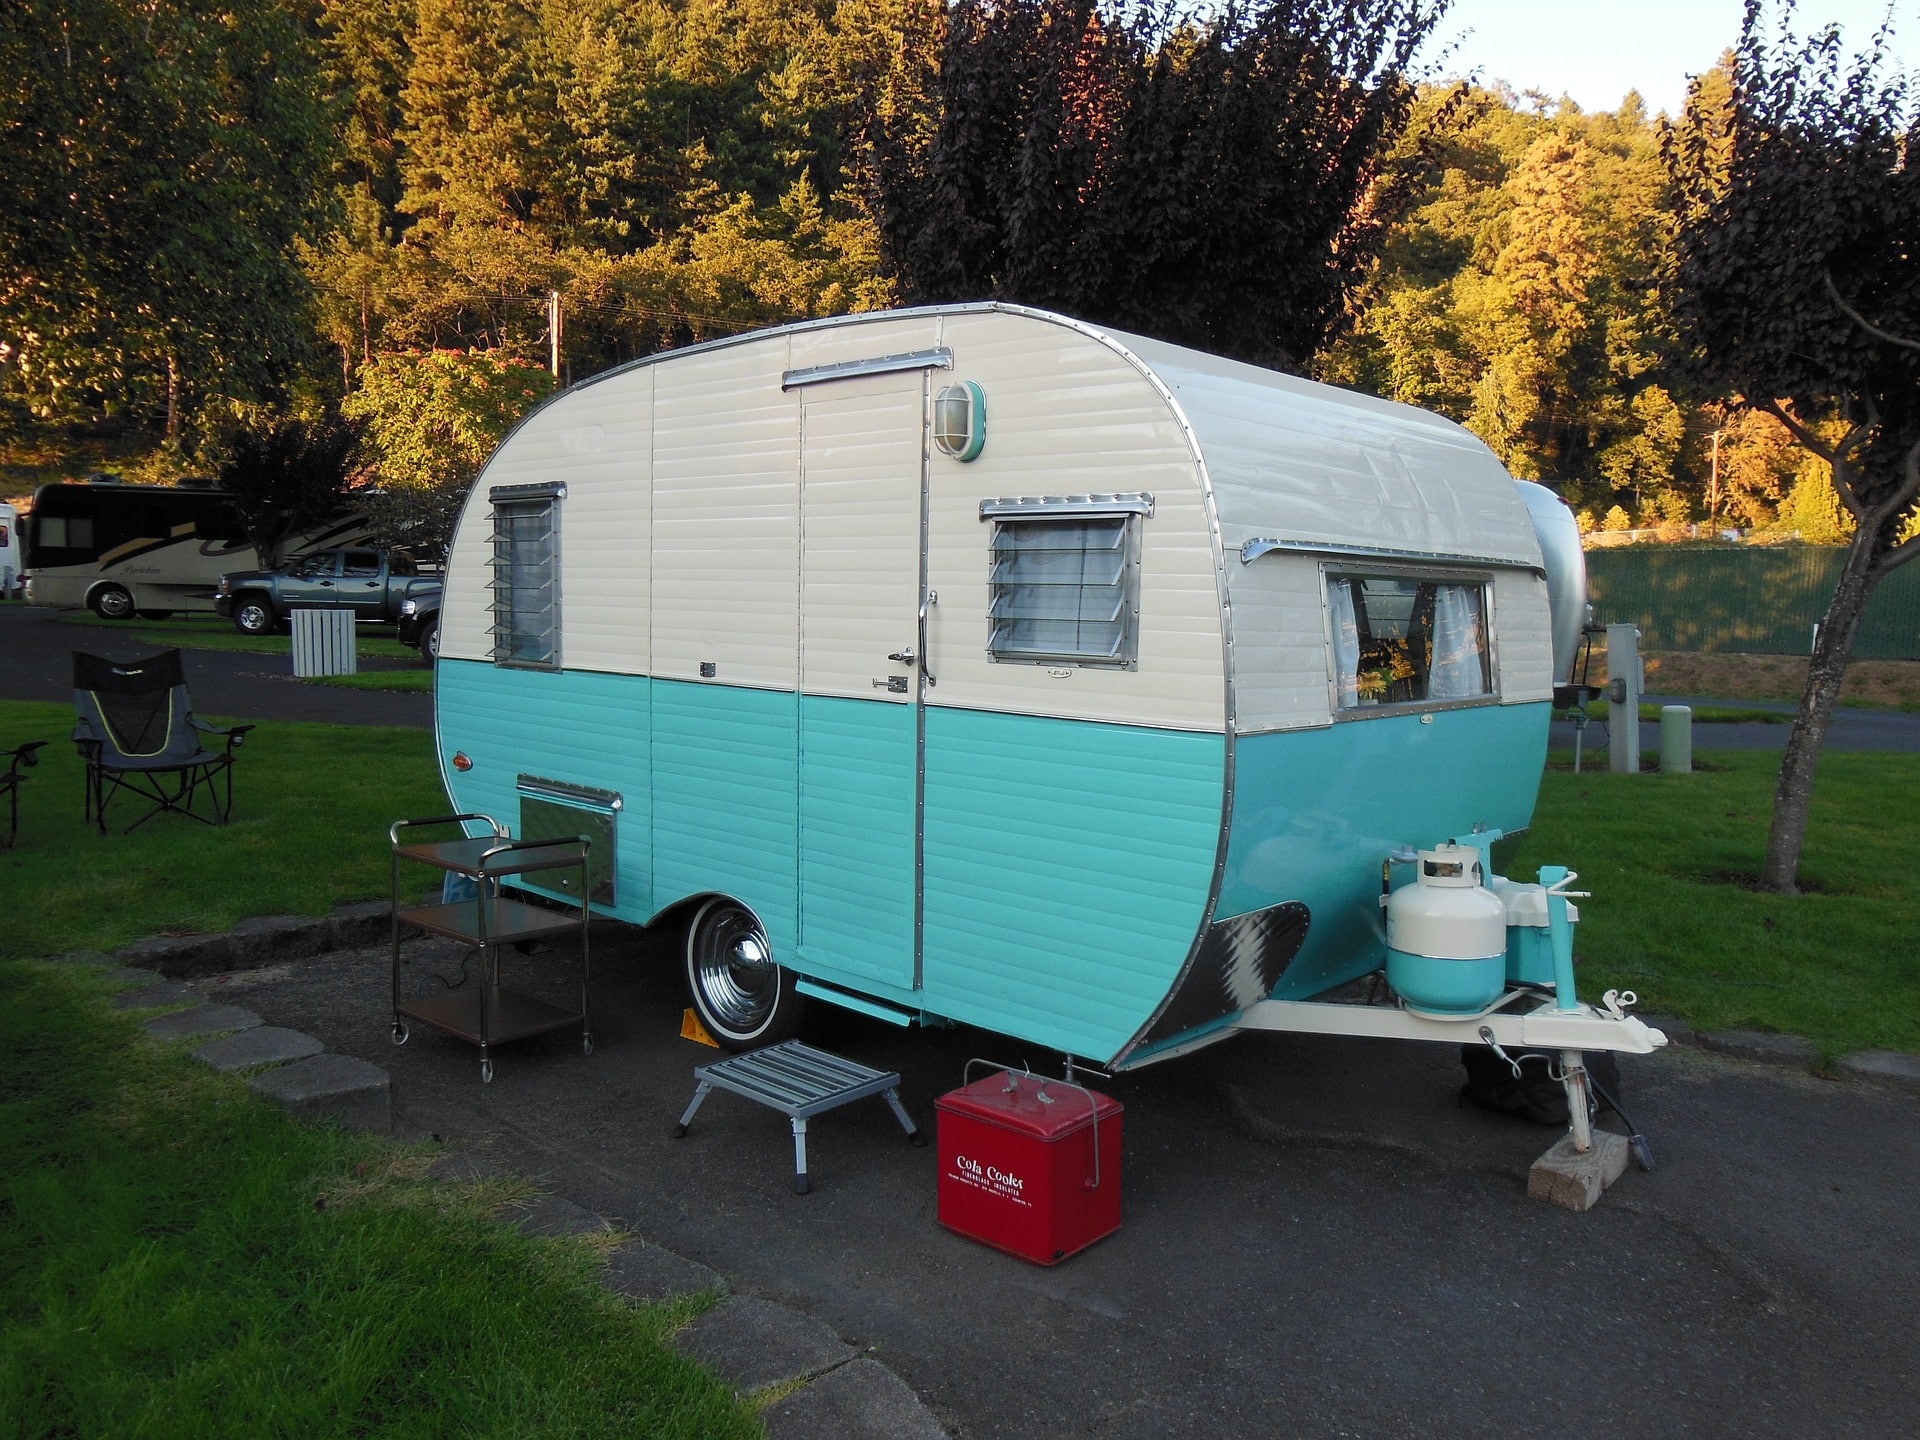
{"x":692,"y":1029}
{"x":1574,"y":1179}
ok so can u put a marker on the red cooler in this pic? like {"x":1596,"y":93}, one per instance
{"x":1028,"y":1165}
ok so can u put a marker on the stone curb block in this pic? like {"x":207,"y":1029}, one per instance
{"x":862,"y":1400}
{"x":352,"y":926}
{"x":1888,"y":1066}
{"x":751,"y":1344}
{"x":152,"y":997}
{"x":269,"y":939}
{"x":331,"y":1087}
{"x":648,"y":1275}
{"x":201,"y":1021}
{"x":262,"y":1045}
{"x":1763,"y":1046}
{"x":180,"y":957}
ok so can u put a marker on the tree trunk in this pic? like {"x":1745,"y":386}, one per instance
{"x":1793,"y":796}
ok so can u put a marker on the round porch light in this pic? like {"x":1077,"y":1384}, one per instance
{"x":960,"y":420}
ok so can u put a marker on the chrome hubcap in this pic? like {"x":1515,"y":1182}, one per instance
{"x":733,"y":966}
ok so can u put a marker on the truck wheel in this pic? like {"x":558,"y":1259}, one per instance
{"x":430,"y":643}
{"x":740,"y":994}
{"x":253,"y":615}
{"x":111,"y":602}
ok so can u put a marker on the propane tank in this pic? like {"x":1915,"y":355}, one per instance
{"x":1447,"y":935}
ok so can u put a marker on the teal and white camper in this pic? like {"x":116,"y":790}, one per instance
{"x":974,"y":664}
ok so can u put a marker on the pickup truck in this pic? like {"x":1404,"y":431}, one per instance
{"x":373,"y":584}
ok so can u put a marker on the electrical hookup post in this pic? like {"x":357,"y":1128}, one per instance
{"x":1626,"y":680}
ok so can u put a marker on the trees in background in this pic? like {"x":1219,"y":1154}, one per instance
{"x":289,"y":475}
{"x":1209,"y":178}
{"x":162,"y":160}
{"x":1796,"y":285}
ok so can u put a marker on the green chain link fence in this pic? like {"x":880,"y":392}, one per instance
{"x":1757,"y":600}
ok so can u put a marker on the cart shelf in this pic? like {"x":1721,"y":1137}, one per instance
{"x":489,"y":1013}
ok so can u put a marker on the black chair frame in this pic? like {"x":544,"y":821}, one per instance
{"x":183,"y":777}
{"x":25,"y":757}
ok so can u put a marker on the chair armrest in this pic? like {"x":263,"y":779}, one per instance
{"x":234,"y":734}
{"x":87,"y":740}
{"x":25,"y":757}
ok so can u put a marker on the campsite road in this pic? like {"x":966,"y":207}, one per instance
{"x":36,"y":663}
{"x":1318,"y":1238}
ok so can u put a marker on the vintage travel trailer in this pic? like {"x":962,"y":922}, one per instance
{"x":974,"y":664}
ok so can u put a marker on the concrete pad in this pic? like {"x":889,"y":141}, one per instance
{"x":265,"y":939}
{"x":648,"y":1275}
{"x":1574,"y":1180}
{"x":180,"y":956}
{"x":262,"y":1045}
{"x":201,"y":1020}
{"x":152,"y":997}
{"x":331,"y":1087}
{"x":555,"y":1217}
{"x":1762,"y":1045}
{"x":860,"y":1401}
{"x":754,"y":1343}
{"x":1893,"y":1067}
{"x":365,"y":923}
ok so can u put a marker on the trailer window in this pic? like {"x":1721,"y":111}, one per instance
{"x":1402,"y":640}
{"x":526,"y":576}
{"x":1065,"y":588}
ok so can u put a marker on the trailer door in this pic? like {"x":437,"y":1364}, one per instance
{"x":862,"y":577}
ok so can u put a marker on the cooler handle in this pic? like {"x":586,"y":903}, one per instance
{"x":1012,"y":1087}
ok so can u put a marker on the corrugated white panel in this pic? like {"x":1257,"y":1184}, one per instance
{"x":1294,"y":460}
{"x":726,"y":470}
{"x":596,"y":440}
{"x":862,"y":338}
{"x":1280,"y":644}
{"x":1066,"y":415}
{"x":1523,"y":632}
{"x":860,"y":534}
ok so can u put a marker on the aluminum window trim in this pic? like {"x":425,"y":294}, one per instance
{"x":1437,"y":575}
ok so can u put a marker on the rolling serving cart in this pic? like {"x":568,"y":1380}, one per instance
{"x":485,"y":1013}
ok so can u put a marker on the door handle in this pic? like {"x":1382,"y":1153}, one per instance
{"x":904,"y":656}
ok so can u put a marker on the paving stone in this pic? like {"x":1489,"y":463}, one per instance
{"x":1575,"y":1179}
{"x":554,"y":1217}
{"x":366,"y":923}
{"x":181,"y":956}
{"x":647,"y":1275}
{"x":1762,"y":1045}
{"x":754,"y":1343}
{"x":266,"y":939}
{"x":152,"y":997}
{"x":201,"y":1020}
{"x":1890,"y":1066}
{"x":262,"y":1045}
{"x":859,"y":1401}
{"x":331,"y":1087}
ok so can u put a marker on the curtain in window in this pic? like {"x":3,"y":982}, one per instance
{"x":1459,"y":651}
{"x":1346,"y":643}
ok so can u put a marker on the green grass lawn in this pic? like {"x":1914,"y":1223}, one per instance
{"x":180,"y":1258}
{"x":1671,"y":860}
{"x":311,"y":808}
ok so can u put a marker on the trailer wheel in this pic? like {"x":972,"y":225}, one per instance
{"x":742,"y":996}
{"x":111,"y":602}
{"x":253,"y":615}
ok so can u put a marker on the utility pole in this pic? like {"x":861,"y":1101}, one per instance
{"x":1713,"y":486}
{"x":553,"y":331}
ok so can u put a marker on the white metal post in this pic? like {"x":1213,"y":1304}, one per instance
{"x":1624,"y":683}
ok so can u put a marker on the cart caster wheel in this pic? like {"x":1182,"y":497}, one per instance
{"x":486,"y":1072}
{"x":401,"y":1034}
{"x":586,"y":1044}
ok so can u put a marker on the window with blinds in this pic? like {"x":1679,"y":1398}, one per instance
{"x":526,"y":575}
{"x":1065,"y":587}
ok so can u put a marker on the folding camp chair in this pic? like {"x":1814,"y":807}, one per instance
{"x":137,"y":733}
{"x":25,"y":757}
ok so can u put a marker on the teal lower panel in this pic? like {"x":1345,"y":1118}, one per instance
{"x":1068,"y":865}
{"x":726,"y":799}
{"x":1315,"y":812}
{"x":857,"y":763}
{"x":574,"y":726}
